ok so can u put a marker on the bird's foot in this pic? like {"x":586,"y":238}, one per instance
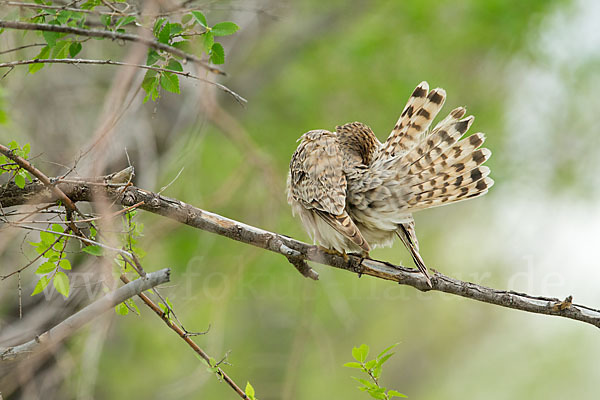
{"x":334,"y":252}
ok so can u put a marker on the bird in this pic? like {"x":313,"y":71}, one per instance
{"x":353,"y":193}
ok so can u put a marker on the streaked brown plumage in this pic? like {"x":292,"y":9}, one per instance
{"x":353,"y":193}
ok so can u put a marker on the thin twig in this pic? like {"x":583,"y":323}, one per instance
{"x":22,"y":47}
{"x":78,"y":61}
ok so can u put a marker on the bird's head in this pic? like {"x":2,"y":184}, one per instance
{"x":357,"y":141}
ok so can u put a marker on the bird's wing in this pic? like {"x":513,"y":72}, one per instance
{"x":318,"y":182}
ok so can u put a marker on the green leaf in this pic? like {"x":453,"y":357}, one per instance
{"x":132,"y":304}
{"x":50,"y":37}
{"x":170,"y":82}
{"x":208,"y":39}
{"x":65,"y":264}
{"x":217,"y":54}
{"x":360,"y":353}
{"x":199,"y":17}
{"x":61,"y":50}
{"x":153,"y":57}
{"x":368,"y":384}
{"x":45,"y":268}
{"x":370,"y":364}
{"x":387,"y":349}
{"x":26,"y":149}
{"x":124,"y":21}
{"x":249,"y":391}
{"x":157,"y":25}
{"x":121,"y":309}
{"x":383,"y":359}
{"x":74,"y":49}
{"x":182,"y":45}
{"x":94,"y":250}
{"x":106,"y":20}
{"x":186,"y":18}
{"x":377,"y":394}
{"x":150,"y":84}
{"x":175,"y":66}
{"x":44,"y":53}
{"x":58,"y":228}
{"x":63,"y":16}
{"x":90,"y":4}
{"x":47,"y":238}
{"x":395,"y":393}
{"x":20,"y":181}
{"x":61,"y":283}
{"x":377,"y":371}
{"x":353,"y":365}
{"x":176,"y":28}
{"x":224,"y":29}
{"x":41,"y":285}
{"x":165,"y":34}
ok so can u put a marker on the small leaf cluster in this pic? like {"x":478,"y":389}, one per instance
{"x":18,"y":173}
{"x":124,"y":307}
{"x":372,"y":368}
{"x":178,"y":35}
{"x":52,"y":248}
{"x":57,"y":45}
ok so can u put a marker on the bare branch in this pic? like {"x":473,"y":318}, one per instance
{"x":277,"y":243}
{"x":28,"y":26}
{"x":87,"y":314}
{"x":77,"y":61}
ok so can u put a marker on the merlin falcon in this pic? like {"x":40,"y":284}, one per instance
{"x":354,"y":193}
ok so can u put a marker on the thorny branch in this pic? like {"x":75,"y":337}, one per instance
{"x":298,"y":251}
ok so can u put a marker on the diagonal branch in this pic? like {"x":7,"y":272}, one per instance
{"x":87,"y":314}
{"x":281,"y":244}
{"x":128,"y":37}
{"x":182,"y":334}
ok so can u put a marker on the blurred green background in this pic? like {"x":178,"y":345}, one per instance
{"x":528,"y":71}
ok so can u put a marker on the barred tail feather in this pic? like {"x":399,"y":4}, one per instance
{"x":432,"y":199}
{"x":419,"y":112}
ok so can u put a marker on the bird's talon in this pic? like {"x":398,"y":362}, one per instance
{"x":334,"y":252}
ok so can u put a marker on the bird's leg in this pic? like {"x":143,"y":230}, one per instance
{"x":334,"y":252}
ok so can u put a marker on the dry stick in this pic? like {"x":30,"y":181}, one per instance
{"x":187,"y":339}
{"x":197,"y":218}
{"x":110,"y":35}
{"x":87,"y":314}
{"x":77,"y":61}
